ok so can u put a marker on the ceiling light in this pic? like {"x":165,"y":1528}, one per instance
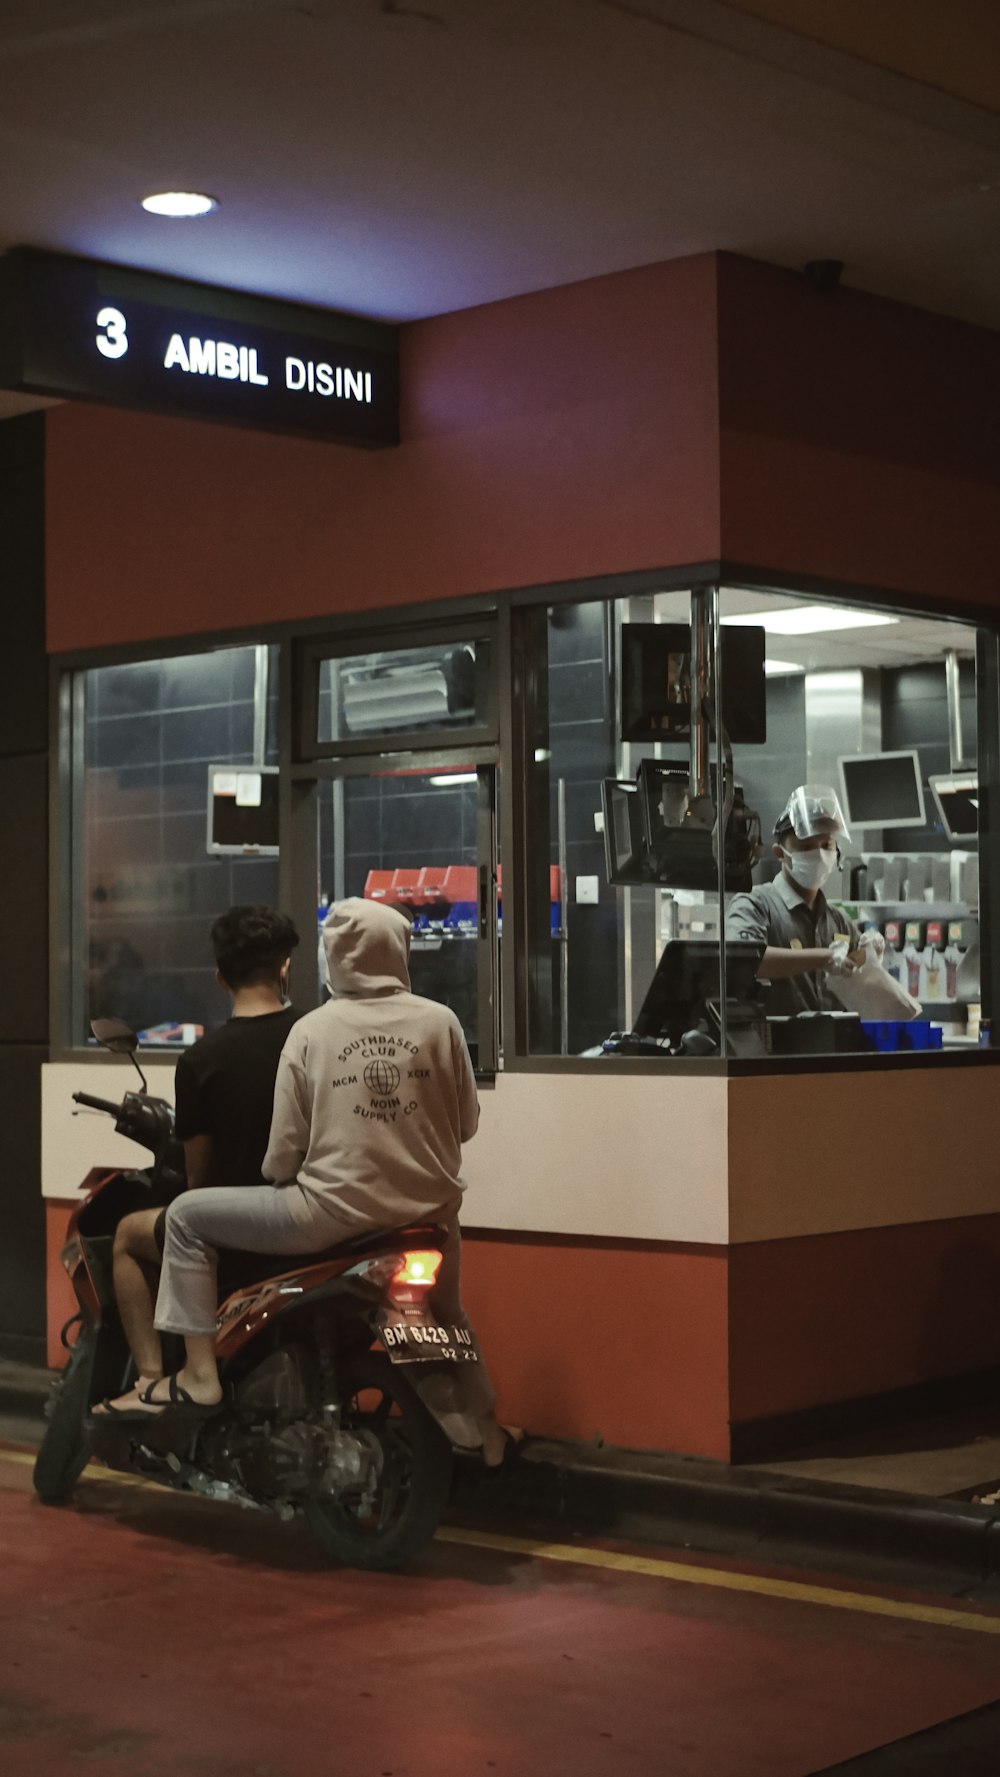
{"x":179,"y":203}
{"x":774,"y":668}
{"x":442,"y":781}
{"x":804,"y":620}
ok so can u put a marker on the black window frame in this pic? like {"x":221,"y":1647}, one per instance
{"x":503,"y":739}
{"x":310,"y":654}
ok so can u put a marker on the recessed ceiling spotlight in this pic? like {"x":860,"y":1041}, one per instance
{"x":179,"y":203}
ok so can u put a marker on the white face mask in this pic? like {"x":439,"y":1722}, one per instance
{"x":810,"y":869}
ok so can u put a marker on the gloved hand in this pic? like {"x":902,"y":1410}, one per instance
{"x":873,"y":944}
{"x":840,"y":962}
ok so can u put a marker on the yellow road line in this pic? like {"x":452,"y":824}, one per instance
{"x":90,"y":1473}
{"x":651,"y":1567}
{"x":725,"y":1579}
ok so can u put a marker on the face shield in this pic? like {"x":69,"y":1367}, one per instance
{"x":813,"y":811}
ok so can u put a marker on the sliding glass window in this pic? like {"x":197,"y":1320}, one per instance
{"x":173,"y":819}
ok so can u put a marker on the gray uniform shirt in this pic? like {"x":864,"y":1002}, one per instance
{"x":776,"y":914}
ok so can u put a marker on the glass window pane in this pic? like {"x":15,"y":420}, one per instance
{"x":410,"y":838}
{"x":878,"y":709}
{"x":148,"y":887}
{"x":604,"y":905}
{"x":417,"y":690}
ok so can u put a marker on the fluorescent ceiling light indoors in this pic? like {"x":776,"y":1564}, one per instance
{"x":803,"y":620}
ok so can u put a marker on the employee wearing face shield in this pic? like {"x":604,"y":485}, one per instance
{"x":806,"y":939}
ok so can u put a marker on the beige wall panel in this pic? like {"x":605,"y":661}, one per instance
{"x":821,"y":1153}
{"x":73,"y":1138}
{"x":627,"y":1156}
{"x":640,"y":1157}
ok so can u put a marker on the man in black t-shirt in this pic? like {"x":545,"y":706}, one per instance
{"x":224,"y":1092}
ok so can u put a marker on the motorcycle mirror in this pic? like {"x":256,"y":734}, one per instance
{"x":120,"y":1038}
{"x":115,"y":1034}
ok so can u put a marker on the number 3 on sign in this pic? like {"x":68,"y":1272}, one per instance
{"x":113,"y":341}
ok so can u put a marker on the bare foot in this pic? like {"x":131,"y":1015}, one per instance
{"x":499,"y":1441}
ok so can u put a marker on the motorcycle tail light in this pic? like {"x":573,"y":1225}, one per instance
{"x":417,"y":1270}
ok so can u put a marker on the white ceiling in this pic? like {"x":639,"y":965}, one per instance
{"x":907,"y":642}
{"x":404,"y":159}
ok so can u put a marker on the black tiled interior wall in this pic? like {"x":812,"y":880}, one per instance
{"x":769,"y":773}
{"x":397,"y":823}
{"x":582,"y":746}
{"x":914,"y":714}
{"x":150,"y":886}
{"x":403,"y":823}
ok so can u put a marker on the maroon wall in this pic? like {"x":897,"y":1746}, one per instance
{"x":859,"y":438}
{"x":558,"y":436}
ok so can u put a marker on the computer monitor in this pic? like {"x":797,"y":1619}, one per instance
{"x":883,"y":789}
{"x":680,"y":854}
{"x":957,"y":798}
{"x":243,"y":809}
{"x":624,"y":846}
{"x":687,"y":975}
{"x":656,"y":683}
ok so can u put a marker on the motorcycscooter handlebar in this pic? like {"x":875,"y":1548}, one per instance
{"x":148,"y":1121}
{"x":98,"y":1104}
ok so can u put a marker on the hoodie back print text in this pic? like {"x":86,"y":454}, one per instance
{"x":387,"y":1072}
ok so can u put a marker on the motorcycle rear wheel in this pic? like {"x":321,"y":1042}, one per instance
{"x":416,"y":1476}
{"x":65,"y":1448}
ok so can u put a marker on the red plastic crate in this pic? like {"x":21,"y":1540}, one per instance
{"x":430,"y":883}
{"x":403,"y":887}
{"x":459,"y":883}
{"x":377,"y":885}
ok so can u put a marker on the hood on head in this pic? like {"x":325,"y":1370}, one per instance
{"x":367,"y":945}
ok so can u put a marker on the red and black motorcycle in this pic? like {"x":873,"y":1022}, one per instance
{"x":323,"y":1363}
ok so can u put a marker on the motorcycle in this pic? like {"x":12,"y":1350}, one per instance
{"x":337,"y":1377}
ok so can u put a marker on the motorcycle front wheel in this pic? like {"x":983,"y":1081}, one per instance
{"x":387,"y":1525}
{"x":63,"y":1453}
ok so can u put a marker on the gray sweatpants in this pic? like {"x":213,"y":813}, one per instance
{"x":259,"y":1219}
{"x":252,"y":1218}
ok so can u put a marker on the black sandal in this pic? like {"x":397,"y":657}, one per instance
{"x":106,"y":1408}
{"x":179,"y":1401}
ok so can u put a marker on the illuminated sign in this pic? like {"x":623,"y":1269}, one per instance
{"x":92,"y":332}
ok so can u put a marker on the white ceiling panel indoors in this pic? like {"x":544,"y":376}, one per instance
{"x":904,"y":641}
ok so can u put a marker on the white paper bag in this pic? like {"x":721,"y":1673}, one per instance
{"x":873,"y":994}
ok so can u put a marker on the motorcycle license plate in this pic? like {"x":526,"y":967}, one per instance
{"x":421,"y":1340}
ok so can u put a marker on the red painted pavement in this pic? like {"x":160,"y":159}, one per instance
{"x":142,"y":1636}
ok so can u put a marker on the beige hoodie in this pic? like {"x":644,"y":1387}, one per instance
{"x":375,"y":1092}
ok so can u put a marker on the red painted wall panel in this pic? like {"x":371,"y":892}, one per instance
{"x":60,"y":1300}
{"x":838,"y":1316}
{"x":562,"y":435}
{"x":627,"y":1343}
{"x":859,"y":437}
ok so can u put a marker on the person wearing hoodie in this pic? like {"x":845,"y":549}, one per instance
{"x":374,"y":1096}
